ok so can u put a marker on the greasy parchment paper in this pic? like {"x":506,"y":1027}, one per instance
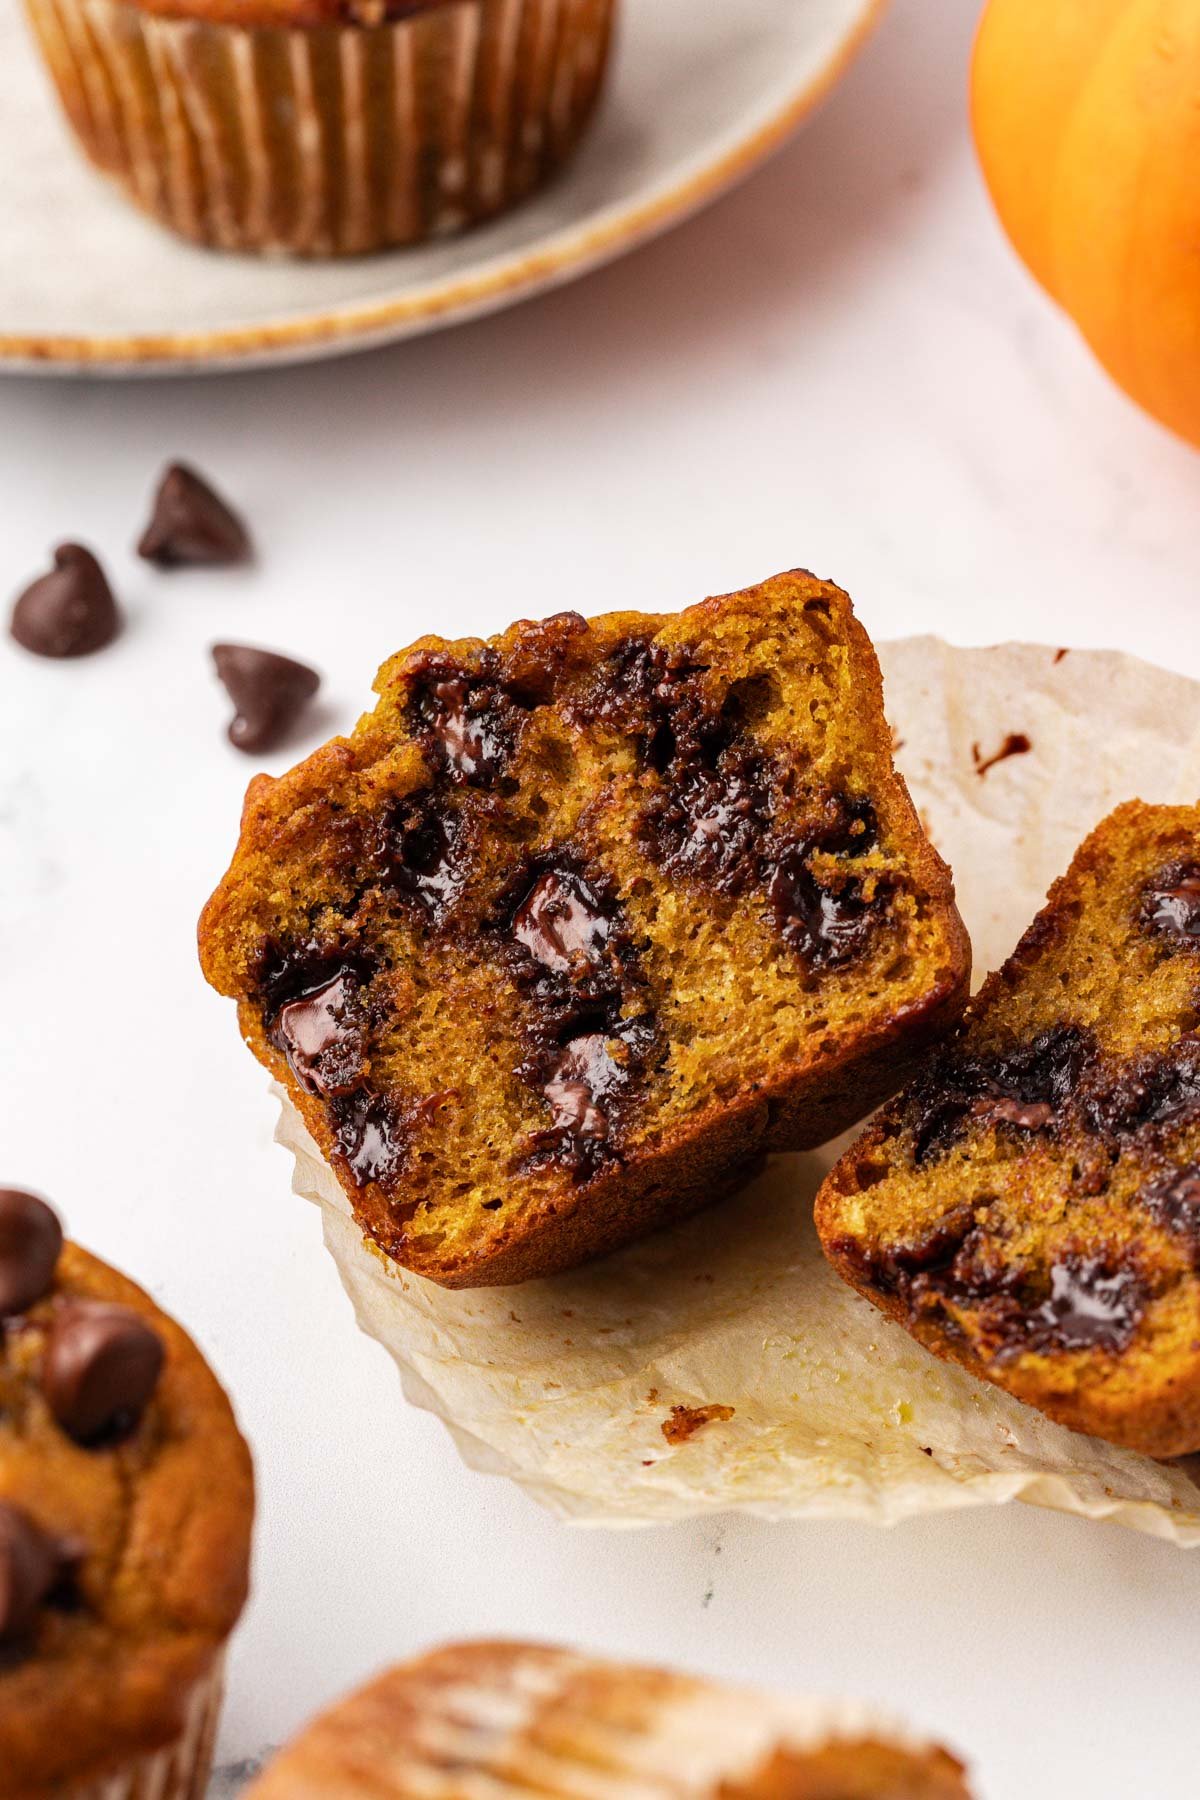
{"x":564,"y":1385}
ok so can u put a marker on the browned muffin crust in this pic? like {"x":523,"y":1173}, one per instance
{"x":582,"y":920}
{"x":157,"y":1527}
{"x":528,"y":1717}
{"x":1030,"y":1206}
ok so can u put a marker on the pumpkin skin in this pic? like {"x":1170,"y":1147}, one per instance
{"x":1086,"y":115}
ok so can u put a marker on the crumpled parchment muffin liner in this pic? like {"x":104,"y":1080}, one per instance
{"x":783,"y":1393}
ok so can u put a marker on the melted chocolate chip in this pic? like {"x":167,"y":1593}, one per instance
{"x":467,"y":723}
{"x":1171,"y":904}
{"x":712,"y":816}
{"x":287,"y":972}
{"x":893,"y":1269}
{"x":31,"y":1242}
{"x":826,"y":926}
{"x":371,"y":1135}
{"x":635,"y":690}
{"x":101,"y":1366}
{"x":423,"y":852}
{"x":708,"y":823}
{"x":590,"y":1083}
{"x":1091,"y":1302}
{"x":323,"y":1036}
{"x":1173,"y":1198}
{"x":564,"y":939}
{"x":1157,"y":1092}
{"x":191,"y":523}
{"x":70,"y":611}
{"x":30,"y":1563}
{"x":268,"y":692}
{"x":1092,"y":1305}
{"x":563,"y":923}
{"x":1026,"y":1087}
{"x":583,"y":1078}
{"x":1032,"y":1115}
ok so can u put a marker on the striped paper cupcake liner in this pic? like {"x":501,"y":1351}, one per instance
{"x":178,"y":1771}
{"x":331,"y":139}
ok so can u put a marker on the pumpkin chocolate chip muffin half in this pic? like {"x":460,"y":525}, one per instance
{"x":518,"y":1719}
{"x":126,"y":1500}
{"x":325,"y":127}
{"x":582,"y":920}
{"x":1030,"y":1206}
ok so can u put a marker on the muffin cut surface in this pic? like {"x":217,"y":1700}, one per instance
{"x":1030,"y":1206}
{"x":520,"y":1719}
{"x":581,"y":920}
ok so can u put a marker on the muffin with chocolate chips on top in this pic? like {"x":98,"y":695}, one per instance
{"x":126,"y":1500}
{"x":1030,"y":1206}
{"x":584,"y":919}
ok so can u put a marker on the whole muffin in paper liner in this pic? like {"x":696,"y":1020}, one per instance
{"x":523,"y":1718}
{"x":126,"y":1503}
{"x":325,"y":127}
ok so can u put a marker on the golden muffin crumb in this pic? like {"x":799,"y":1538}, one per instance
{"x":583,"y":919}
{"x":1030,"y":1206}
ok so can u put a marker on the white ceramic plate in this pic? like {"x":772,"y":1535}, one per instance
{"x":702,"y":90}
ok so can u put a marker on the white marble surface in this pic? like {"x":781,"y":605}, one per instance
{"x":841,"y":366}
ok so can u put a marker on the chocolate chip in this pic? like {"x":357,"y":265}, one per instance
{"x":70,"y":611}
{"x":563,"y":923}
{"x":1032,"y":1115}
{"x":371,"y":1135}
{"x":29,"y":1567}
{"x":1171,"y":904}
{"x":590,"y":1083}
{"x":101,"y":1366}
{"x":30,"y":1244}
{"x":267,"y":690}
{"x":466,"y":720}
{"x":916,"y":1263}
{"x":1173,"y":1198}
{"x":1027,"y":1086}
{"x":1091,"y":1306}
{"x":423,"y":852}
{"x":473,"y":742}
{"x":192,"y":524}
{"x":709,"y":823}
{"x":826,"y":926}
{"x":1151,"y":1095}
{"x":585,"y":1076}
{"x":321,"y":1034}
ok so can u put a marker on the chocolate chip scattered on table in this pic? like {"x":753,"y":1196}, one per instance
{"x":192,"y":525}
{"x":269,"y":692}
{"x":68,"y":612}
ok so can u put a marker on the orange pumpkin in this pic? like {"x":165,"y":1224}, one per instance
{"x":1086,"y":116}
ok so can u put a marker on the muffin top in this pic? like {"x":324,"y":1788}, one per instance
{"x":511,"y":1720}
{"x":126,"y":1501}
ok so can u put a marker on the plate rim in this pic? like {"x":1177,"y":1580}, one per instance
{"x":571,"y":252}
